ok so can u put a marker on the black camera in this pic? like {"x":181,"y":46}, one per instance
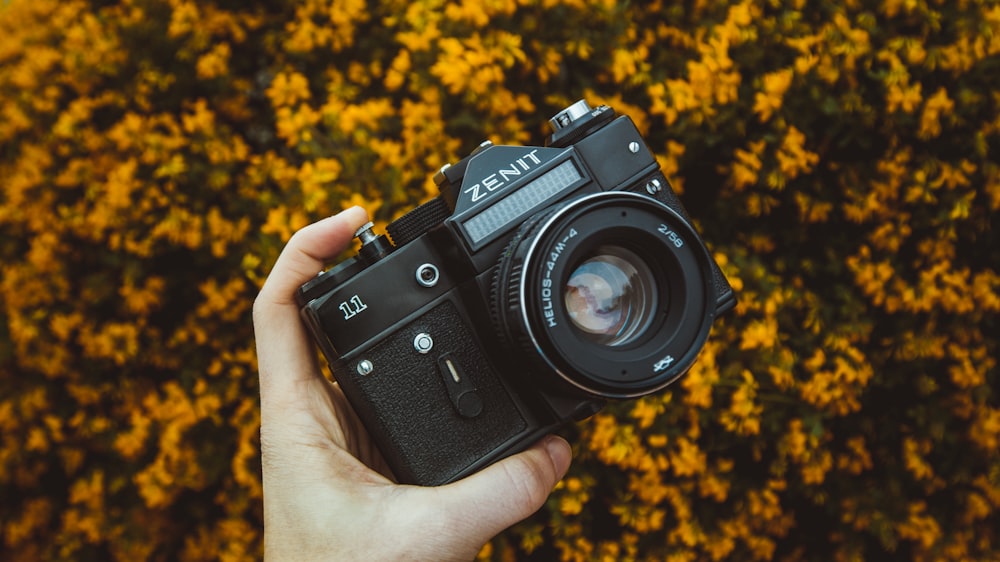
{"x":540,"y":283}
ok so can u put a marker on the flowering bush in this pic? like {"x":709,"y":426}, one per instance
{"x":839,"y":157}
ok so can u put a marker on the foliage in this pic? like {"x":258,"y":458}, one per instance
{"x":839,"y":157}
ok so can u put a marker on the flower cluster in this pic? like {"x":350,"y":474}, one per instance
{"x":839,"y":158}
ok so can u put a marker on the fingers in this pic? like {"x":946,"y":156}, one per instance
{"x":507,"y":491}
{"x":308,"y":252}
{"x":284,"y":352}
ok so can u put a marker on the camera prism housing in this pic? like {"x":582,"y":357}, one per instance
{"x":542,"y":282}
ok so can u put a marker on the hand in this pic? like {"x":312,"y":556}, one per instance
{"x":326,"y":494}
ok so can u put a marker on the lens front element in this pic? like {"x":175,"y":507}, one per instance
{"x":611,"y":297}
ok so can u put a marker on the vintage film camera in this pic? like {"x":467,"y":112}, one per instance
{"x":542,"y":282}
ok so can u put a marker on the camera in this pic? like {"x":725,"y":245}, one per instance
{"x":542,"y":282}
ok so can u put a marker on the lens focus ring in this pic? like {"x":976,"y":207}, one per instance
{"x":506,"y":288}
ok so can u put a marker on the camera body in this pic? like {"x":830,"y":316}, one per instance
{"x":542,"y":282}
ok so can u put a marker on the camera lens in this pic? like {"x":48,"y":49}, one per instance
{"x":610,"y":297}
{"x":610,"y":292}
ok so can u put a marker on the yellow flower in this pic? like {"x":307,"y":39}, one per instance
{"x":760,"y":334}
{"x":815,"y":469}
{"x":571,"y":505}
{"x":919,"y":526}
{"x":903,"y":97}
{"x":131,"y":443}
{"x":198,"y":118}
{"x":747,"y":165}
{"x":770,"y":99}
{"x":183,"y":18}
{"x":701,"y":379}
{"x":398,"y":70}
{"x":297,"y":126}
{"x":476,"y":13}
{"x":710,"y":485}
{"x":795,"y":441}
{"x":793,"y":157}
{"x":116,"y":341}
{"x":645,"y":411}
{"x":142,"y":300}
{"x":629,"y":64}
{"x":687,"y":459}
{"x":476,"y":65}
{"x":214,"y":63}
{"x":857,"y":459}
{"x":985,"y":430}
{"x":288,"y":89}
{"x":424,"y":24}
{"x":913,"y":456}
{"x":743,"y":414}
{"x":89,"y":491}
{"x":937,"y":106}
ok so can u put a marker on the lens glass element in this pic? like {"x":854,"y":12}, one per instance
{"x":611,"y":296}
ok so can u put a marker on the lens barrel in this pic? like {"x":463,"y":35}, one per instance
{"x":612,"y":292}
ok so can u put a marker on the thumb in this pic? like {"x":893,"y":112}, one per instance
{"x":509,"y":490}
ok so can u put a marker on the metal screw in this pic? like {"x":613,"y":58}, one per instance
{"x":365,"y":368}
{"x":633,"y":147}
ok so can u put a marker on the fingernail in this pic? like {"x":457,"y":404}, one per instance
{"x":560,"y":453}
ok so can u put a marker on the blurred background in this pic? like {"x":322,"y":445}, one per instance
{"x":839,"y":157}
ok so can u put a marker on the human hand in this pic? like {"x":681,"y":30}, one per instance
{"x":326,"y":493}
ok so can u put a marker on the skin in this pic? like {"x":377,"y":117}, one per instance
{"x":327,"y":495}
